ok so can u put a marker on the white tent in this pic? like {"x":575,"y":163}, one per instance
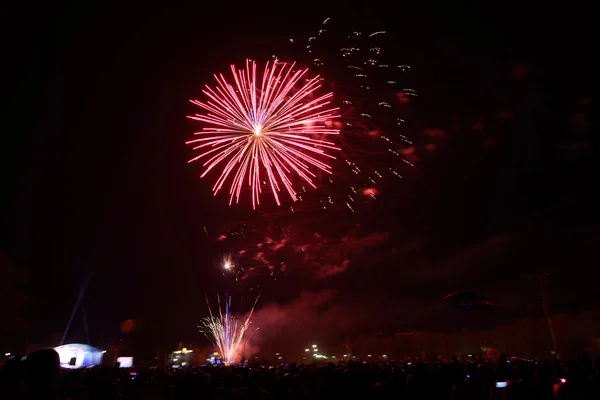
{"x":77,"y":355}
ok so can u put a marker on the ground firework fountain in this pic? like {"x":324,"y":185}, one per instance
{"x":225,"y":330}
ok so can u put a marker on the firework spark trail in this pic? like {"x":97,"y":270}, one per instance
{"x":375,"y":89}
{"x":226,"y":331}
{"x":265,"y":125}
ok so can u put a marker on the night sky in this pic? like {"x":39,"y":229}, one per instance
{"x":96,"y":182}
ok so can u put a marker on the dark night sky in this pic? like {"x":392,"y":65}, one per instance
{"x":94,"y":169}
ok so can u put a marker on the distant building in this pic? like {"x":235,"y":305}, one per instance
{"x":182,"y":358}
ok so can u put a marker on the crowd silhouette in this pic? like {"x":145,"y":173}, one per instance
{"x":39,"y":376}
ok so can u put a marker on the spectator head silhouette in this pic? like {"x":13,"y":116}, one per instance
{"x":254,"y":378}
{"x":41,"y":373}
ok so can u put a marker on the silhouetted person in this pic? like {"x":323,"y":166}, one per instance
{"x":253,"y":391}
{"x":577,"y":386}
{"x":41,"y":374}
{"x":297,"y":390}
{"x":226,"y":392}
{"x":595,"y":378}
{"x":11,"y":378}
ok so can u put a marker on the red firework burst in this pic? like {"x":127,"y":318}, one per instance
{"x":267,"y":127}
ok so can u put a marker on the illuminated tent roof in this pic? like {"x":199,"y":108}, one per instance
{"x":84,"y":355}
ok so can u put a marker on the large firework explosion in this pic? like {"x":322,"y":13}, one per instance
{"x":264,"y":129}
{"x":374,"y":170}
{"x":225,"y":330}
{"x":380,"y":148}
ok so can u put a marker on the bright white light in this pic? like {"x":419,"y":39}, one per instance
{"x":8,"y":354}
{"x":228,"y":262}
{"x":369,"y":355}
{"x":314,"y":345}
{"x":314,"y":349}
{"x":125,"y":362}
{"x":306,"y":350}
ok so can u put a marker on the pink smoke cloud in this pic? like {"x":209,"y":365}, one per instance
{"x":317,"y":317}
{"x":294,"y":315}
{"x":330,"y":270}
{"x":331,"y":257}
